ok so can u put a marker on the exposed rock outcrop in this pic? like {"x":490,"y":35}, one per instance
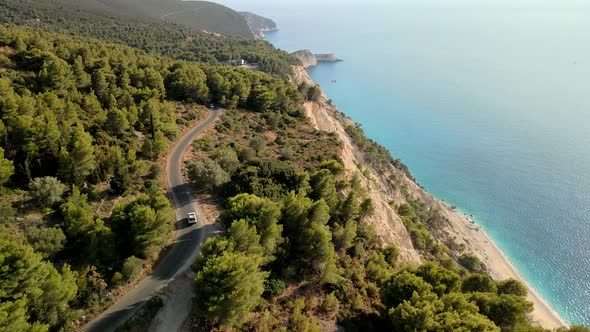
{"x":308,"y":59}
{"x":388,"y":224}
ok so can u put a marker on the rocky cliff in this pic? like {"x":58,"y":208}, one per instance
{"x":258,"y":24}
{"x":308,"y":59}
{"x":324,"y":116}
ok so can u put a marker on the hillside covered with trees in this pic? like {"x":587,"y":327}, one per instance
{"x":151,"y":35}
{"x":200,"y":15}
{"x":86,"y":113}
{"x":82,"y":121}
{"x":298,"y":254}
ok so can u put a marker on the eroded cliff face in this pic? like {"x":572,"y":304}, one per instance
{"x":458,"y":231}
{"x":388,"y":224}
{"x":307,"y":58}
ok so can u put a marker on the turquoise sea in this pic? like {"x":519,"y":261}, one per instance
{"x":487,"y":102}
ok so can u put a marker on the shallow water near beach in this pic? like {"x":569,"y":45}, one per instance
{"x":487,"y":103}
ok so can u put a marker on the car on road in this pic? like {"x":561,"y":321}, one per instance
{"x":212,"y":106}
{"x":192,"y":218}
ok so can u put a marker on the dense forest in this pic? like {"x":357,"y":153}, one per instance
{"x":200,"y":15}
{"x":153,"y":36}
{"x":84,"y":123}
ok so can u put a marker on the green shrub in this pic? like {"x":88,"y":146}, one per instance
{"x":46,"y":191}
{"x":132,"y":268}
{"x":117,"y":278}
{"x":274,"y":287}
{"x":330,"y":304}
{"x":511,"y":286}
{"x":46,"y":241}
{"x":472,"y":263}
{"x":480,"y":283}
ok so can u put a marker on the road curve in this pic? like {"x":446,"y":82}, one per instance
{"x":184,"y":250}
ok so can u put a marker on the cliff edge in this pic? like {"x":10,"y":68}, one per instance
{"x":388,"y":224}
{"x":390,"y":187}
{"x":306,"y":57}
{"x":309,"y":59}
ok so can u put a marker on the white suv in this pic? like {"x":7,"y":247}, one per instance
{"x":192,"y":218}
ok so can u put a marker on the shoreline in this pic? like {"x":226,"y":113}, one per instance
{"x":462,"y":229}
{"x":500,"y":267}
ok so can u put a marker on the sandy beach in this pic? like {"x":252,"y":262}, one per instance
{"x":463,"y":227}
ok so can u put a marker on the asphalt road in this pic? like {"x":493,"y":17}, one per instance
{"x":184,"y":250}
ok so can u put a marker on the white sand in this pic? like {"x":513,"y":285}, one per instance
{"x":500,"y":267}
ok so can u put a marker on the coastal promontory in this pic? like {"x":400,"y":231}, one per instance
{"x":309,"y":59}
{"x":258,"y":24}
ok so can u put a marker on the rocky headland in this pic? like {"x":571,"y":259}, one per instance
{"x":309,"y":59}
{"x":258,"y":24}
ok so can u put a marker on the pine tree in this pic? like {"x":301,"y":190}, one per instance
{"x":56,"y":76}
{"x":14,"y":317}
{"x":187,"y":83}
{"x":121,"y":179}
{"x":77,"y":161}
{"x":245,"y":238}
{"x":324,"y":186}
{"x":117,"y":123}
{"x":344,"y":236}
{"x":24,"y":275}
{"x":83,"y":79}
{"x":349,"y":208}
{"x":85,"y":233}
{"x":262,"y":213}
{"x":6,"y":168}
{"x":228,"y":287}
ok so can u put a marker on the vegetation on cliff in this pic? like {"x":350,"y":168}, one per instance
{"x":298,"y":220}
{"x":153,"y":36}
{"x":259,"y":24}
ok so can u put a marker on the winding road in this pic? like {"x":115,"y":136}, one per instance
{"x":186,"y":246}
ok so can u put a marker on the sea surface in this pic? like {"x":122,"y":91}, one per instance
{"x":487,"y":102}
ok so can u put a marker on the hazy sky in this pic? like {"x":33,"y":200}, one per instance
{"x":248,"y":4}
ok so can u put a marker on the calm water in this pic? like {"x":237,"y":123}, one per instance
{"x":487,"y":103}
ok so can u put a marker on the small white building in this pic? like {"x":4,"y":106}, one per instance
{"x":237,"y":63}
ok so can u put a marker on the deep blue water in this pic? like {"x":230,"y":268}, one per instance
{"x":487,"y":102}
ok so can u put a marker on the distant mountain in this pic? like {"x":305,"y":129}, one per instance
{"x":258,"y":24}
{"x":201,"y":15}
{"x":117,"y":21}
